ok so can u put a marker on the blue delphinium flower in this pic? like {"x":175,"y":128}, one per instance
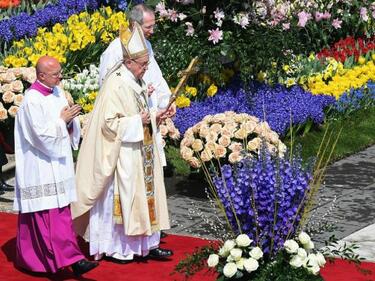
{"x":262,"y":195}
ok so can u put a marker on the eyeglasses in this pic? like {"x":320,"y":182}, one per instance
{"x":144,"y":65}
{"x":55,"y":74}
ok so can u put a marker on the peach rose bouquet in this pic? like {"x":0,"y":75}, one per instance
{"x":228,"y":137}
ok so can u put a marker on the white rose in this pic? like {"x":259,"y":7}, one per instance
{"x":250,"y":264}
{"x":256,"y":253}
{"x":302,"y":253}
{"x":312,"y":260}
{"x":230,"y":269}
{"x":309,"y":245}
{"x":296,"y":261}
{"x":314,"y":269}
{"x":239,"y":263}
{"x":213,"y":260}
{"x":13,"y":110}
{"x":223,"y":252}
{"x":304,"y":238}
{"x":243,"y":240}
{"x":229,"y":245}
{"x":236,"y":254}
{"x":3,"y":114}
{"x":291,"y":246}
{"x":321,"y":259}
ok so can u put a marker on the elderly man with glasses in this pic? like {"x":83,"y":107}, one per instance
{"x":122,"y":204}
{"x":112,"y":56}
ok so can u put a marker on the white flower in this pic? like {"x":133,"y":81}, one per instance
{"x":302,"y":253}
{"x":250,"y":264}
{"x":213,"y":260}
{"x":182,"y":16}
{"x":304,"y":238}
{"x":309,"y":245}
{"x":256,"y":253}
{"x":223,"y":252}
{"x":291,"y":246}
{"x":236,"y":254}
{"x":229,"y":245}
{"x":190,"y":29}
{"x":314,"y":269}
{"x":312,"y":260}
{"x":239,"y":263}
{"x":320,"y":258}
{"x":296,"y":261}
{"x":230,"y":269}
{"x":243,"y":240}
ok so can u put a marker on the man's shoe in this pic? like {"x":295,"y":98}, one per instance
{"x":6,"y":187}
{"x":163,"y":234}
{"x":159,"y":254}
{"x":111,"y":259}
{"x":83,"y":266}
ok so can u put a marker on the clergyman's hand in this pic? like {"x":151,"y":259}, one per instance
{"x":150,"y":89}
{"x":161,"y":115}
{"x":171,"y":111}
{"x":145,"y":116}
{"x":69,"y":113}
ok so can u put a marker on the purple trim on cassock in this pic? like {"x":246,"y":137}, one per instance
{"x":44,"y":90}
{"x":46,"y":240}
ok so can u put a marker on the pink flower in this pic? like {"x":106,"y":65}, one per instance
{"x":336,"y":23}
{"x":160,"y":8}
{"x":322,"y":16}
{"x":215,"y":35}
{"x":190,"y":29}
{"x":172,"y":15}
{"x":303,"y":17}
{"x":286,"y":26}
{"x":219,"y":14}
{"x":363,"y":13}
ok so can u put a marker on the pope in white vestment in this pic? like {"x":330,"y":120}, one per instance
{"x":121,"y":194}
{"x":110,"y":59}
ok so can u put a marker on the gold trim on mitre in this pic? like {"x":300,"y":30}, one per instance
{"x":133,"y":42}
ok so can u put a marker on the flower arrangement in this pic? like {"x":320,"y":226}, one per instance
{"x":239,"y":259}
{"x":74,"y":43}
{"x":223,"y":136}
{"x":12,"y":82}
{"x":26,"y":25}
{"x":265,"y":201}
{"x":84,"y":87}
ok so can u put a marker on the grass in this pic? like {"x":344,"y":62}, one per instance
{"x":358,"y":133}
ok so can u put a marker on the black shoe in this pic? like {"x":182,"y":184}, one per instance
{"x":163,"y":234}
{"x":159,"y":254}
{"x":83,"y":266}
{"x":6,"y":187}
{"x":1,"y":191}
{"x":111,"y":259}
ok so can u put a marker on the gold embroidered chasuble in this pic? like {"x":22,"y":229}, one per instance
{"x":140,"y":199}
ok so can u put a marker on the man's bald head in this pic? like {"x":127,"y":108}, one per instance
{"x":48,"y":71}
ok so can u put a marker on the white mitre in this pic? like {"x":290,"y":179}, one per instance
{"x":133,"y":42}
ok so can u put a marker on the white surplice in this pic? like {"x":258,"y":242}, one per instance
{"x":113,"y":56}
{"x":44,"y":162}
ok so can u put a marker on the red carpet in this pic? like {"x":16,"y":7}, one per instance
{"x":146,"y":270}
